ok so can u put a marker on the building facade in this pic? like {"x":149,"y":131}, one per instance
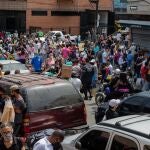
{"x":137,"y":17}
{"x":13,"y":15}
{"x":72,"y":16}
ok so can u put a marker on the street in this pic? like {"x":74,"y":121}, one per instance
{"x":91,"y":108}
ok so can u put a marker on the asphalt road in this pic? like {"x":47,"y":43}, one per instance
{"x":90,"y":108}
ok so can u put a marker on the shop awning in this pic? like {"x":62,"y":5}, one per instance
{"x":134,"y":23}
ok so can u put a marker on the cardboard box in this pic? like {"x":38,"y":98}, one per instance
{"x":66,"y":71}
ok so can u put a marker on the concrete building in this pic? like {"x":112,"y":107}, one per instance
{"x":137,"y":17}
{"x":13,"y":15}
{"x":72,"y":16}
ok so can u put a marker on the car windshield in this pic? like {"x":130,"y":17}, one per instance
{"x":14,"y":66}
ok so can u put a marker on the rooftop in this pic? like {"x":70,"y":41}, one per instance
{"x":29,"y":79}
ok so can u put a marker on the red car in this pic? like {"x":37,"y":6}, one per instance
{"x":51,"y":102}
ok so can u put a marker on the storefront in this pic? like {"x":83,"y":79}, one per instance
{"x":12,"y":20}
{"x":140,"y":32}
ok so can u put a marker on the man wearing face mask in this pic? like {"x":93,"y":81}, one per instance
{"x":7,"y":140}
{"x":52,"y":142}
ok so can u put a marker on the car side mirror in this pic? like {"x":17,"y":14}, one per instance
{"x":78,"y":145}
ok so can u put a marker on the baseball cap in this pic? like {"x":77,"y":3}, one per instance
{"x":114,"y":102}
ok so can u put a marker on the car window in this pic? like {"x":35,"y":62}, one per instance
{"x":122,"y":143}
{"x":95,"y":140}
{"x":14,"y":66}
{"x":45,"y":97}
{"x":146,"y":147}
{"x":132,"y":105}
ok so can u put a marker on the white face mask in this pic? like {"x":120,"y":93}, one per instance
{"x":7,"y":136}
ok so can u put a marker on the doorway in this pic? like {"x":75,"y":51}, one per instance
{"x":10,"y":23}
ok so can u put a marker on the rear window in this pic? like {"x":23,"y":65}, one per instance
{"x":51,"y":96}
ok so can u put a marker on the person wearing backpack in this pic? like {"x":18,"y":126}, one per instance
{"x":7,"y":140}
{"x":86,"y":78}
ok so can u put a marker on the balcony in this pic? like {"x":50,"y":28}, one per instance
{"x":13,"y":4}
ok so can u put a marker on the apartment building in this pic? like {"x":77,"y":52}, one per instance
{"x":72,"y":16}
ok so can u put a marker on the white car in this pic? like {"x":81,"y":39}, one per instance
{"x":12,"y":66}
{"x":55,"y":34}
{"x":123,"y":133}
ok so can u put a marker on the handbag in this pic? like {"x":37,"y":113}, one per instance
{"x":8,"y":114}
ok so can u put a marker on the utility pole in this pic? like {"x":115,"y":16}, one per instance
{"x":96,"y":2}
{"x":96,"y":16}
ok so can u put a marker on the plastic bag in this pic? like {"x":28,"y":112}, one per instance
{"x":8,"y":114}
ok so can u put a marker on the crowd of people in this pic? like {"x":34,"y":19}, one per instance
{"x":95,"y":62}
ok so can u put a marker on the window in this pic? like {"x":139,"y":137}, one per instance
{"x":122,"y":143}
{"x":65,"y":13}
{"x":95,"y":140}
{"x":39,"y":13}
{"x":146,"y":147}
{"x":51,"y":96}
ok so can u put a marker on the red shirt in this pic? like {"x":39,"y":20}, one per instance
{"x":144,"y":71}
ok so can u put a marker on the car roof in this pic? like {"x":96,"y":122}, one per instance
{"x":29,"y":80}
{"x":3,"y":62}
{"x":136,"y":124}
{"x":143,"y":94}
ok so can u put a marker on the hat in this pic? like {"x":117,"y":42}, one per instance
{"x":114,"y":102}
{"x":92,"y":61}
{"x":14,"y":87}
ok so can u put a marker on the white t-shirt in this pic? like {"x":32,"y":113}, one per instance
{"x":43,"y":144}
{"x":110,"y":68}
{"x":76,"y":82}
{"x":104,"y":57}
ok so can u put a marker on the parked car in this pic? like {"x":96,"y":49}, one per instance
{"x":123,"y":133}
{"x":60,"y":35}
{"x":51,"y":103}
{"x":12,"y":66}
{"x":138,"y":103}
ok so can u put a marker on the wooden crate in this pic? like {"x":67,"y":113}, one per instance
{"x":66,"y":71}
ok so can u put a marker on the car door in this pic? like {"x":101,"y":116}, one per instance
{"x":95,"y":139}
{"x":121,"y":141}
{"x":146,"y":107}
{"x":130,"y":106}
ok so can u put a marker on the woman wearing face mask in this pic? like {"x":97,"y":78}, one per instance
{"x":7,"y":140}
